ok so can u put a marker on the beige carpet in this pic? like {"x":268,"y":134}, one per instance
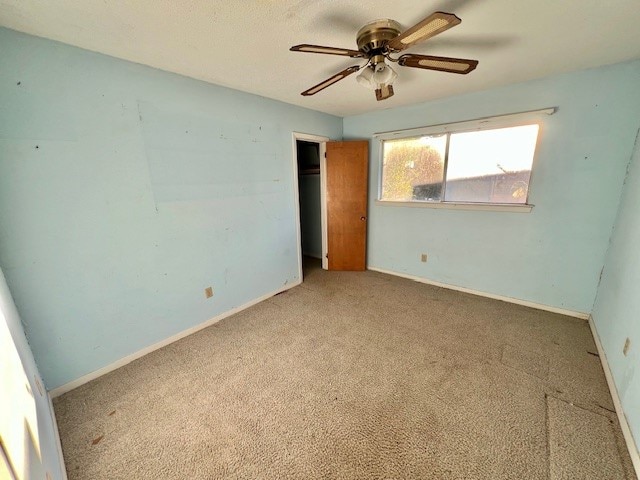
{"x":356,"y":376}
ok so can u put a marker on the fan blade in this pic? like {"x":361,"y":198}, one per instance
{"x":384,"y":92}
{"x":330,"y":81}
{"x":442,"y":64}
{"x":471,"y":42}
{"x":434,"y":24}
{"x":328,"y":50}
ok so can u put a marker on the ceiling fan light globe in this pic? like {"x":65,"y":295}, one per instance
{"x":366,"y":79}
{"x":384,"y":76}
{"x":394,"y":75}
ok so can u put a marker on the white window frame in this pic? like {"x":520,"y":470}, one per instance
{"x":488,"y":123}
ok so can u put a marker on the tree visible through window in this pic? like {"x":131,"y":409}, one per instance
{"x":484,"y":166}
{"x":414,"y":168}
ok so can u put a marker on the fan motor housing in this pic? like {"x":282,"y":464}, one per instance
{"x":374,"y":35}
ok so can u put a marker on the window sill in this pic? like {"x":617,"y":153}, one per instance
{"x":491,"y":207}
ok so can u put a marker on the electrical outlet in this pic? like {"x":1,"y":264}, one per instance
{"x":627,"y":345}
{"x":423,"y":258}
{"x":208,"y":292}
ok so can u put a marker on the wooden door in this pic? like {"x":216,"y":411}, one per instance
{"x":347,"y":169}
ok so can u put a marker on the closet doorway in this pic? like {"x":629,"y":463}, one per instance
{"x":331,"y":183}
{"x":309,"y":154}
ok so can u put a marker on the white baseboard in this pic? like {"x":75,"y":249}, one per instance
{"x":526,"y":303}
{"x":622,"y":419}
{"x":62,"y":389}
{"x":63,"y":467}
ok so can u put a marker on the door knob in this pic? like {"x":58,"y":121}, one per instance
{"x":363,"y":218}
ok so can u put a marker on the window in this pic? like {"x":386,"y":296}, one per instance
{"x":466,"y":163}
{"x":413,"y":168}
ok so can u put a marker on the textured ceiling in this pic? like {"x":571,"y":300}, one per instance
{"x":244,"y":44}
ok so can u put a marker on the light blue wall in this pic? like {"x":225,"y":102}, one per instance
{"x":125,"y":191}
{"x":26,"y":424}
{"x":553,"y":255}
{"x":617,"y":309}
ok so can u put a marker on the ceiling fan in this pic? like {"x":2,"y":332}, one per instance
{"x":377,"y":41}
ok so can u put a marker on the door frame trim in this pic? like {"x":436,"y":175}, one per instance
{"x":322,"y":144}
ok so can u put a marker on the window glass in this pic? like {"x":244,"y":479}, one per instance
{"x":413,"y":168}
{"x":491,"y":166}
